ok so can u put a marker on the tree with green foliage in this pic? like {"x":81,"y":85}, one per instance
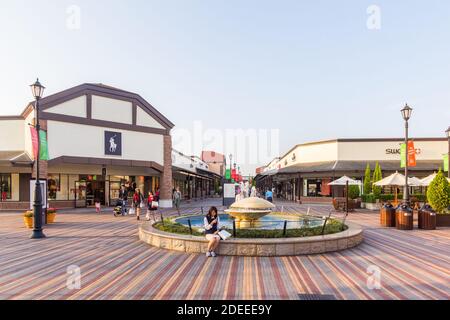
{"x":367,"y":181}
{"x":377,"y":176}
{"x":438,"y":193}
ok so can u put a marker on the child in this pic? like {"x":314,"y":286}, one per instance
{"x":97,"y":205}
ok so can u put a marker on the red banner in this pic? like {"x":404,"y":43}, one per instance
{"x":34,"y":141}
{"x":411,"y":154}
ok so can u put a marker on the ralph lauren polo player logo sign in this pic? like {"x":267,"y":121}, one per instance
{"x":113,"y":143}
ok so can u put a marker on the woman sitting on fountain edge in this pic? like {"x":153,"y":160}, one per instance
{"x":211,"y":223}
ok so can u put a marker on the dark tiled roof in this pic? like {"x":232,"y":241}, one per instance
{"x":356,"y":166}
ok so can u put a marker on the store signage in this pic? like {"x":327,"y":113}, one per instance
{"x":445,"y":162}
{"x":113,"y":143}
{"x":398,"y":151}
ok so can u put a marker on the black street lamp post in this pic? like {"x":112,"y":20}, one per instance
{"x":406,"y":113}
{"x":37,"y":90}
{"x":448,"y":136}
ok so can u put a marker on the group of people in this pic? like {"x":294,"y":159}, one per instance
{"x":138,"y":201}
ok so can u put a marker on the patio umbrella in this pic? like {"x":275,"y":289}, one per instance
{"x":398,"y":180}
{"x":345,"y":181}
{"x":415,"y":182}
{"x":427,"y":181}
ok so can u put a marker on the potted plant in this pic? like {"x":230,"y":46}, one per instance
{"x":28,"y":219}
{"x":438,"y":195}
{"x":51,"y":215}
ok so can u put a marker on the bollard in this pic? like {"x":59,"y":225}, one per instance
{"x":324,"y":225}
{"x":203,"y":213}
{"x":234,"y":229}
{"x":285,"y":228}
{"x":190,"y":226}
{"x":162,"y":219}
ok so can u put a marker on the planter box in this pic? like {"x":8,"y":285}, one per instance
{"x":443,"y":220}
{"x":371,"y":206}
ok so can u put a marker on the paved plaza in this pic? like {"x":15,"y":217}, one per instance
{"x":115,"y":265}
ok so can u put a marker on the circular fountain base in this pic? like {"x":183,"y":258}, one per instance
{"x":349,"y":238}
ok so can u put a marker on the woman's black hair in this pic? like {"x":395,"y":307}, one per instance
{"x":211,"y":211}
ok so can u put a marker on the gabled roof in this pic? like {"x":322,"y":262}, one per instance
{"x":101,"y":90}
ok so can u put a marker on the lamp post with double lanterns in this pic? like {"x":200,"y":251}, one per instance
{"x":406,"y":113}
{"x":448,"y":137}
{"x":38,"y":91}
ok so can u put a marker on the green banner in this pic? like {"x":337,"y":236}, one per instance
{"x":43,"y":154}
{"x":403,"y":155}
{"x":228,"y":174}
{"x":445,"y":162}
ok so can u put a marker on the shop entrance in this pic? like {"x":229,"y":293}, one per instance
{"x":95,"y":190}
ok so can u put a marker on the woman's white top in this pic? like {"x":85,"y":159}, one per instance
{"x":208,"y":226}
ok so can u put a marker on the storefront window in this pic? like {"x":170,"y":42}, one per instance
{"x":5,"y":186}
{"x":73,"y":178}
{"x":53,"y":185}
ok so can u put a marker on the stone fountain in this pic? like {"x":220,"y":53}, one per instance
{"x":250,"y":209}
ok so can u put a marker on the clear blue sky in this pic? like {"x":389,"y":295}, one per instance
{"x":310,"y":68}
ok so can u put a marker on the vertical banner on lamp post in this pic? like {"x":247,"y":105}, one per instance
{"x":43,"y":146}
{"x":34,"y":141}
{"x":228,"y":174}
{"x":411,"y":154}
{"x":403,"y":155}
{"x":445,"y":162}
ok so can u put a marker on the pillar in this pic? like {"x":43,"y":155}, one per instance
{"x":166,"y":186}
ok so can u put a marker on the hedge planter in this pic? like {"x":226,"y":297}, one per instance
{"x":372,"y":206}
{"x":443,"y":220}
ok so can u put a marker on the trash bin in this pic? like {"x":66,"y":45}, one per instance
{"x":404,"y":218}
{"x":427,"y":218}
{"x":387,"y":216}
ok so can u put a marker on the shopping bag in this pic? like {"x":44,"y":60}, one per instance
{"x":155,"y":204}
{"x":224,"y":235}
{"x":132,"y":211}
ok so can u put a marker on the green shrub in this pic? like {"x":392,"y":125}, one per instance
{"x":174,"y":227}
{"x":353,"y":192}
{"x":368,"y":198}
{"x":367,"y":181}
{"x":28,"y":214}
{"x":438,"y":193}
{"x":333,"y":226}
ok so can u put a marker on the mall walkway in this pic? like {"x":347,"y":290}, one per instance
{"x":115,"y":265}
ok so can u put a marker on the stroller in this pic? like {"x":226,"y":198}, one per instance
{"x":119,"y":210}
